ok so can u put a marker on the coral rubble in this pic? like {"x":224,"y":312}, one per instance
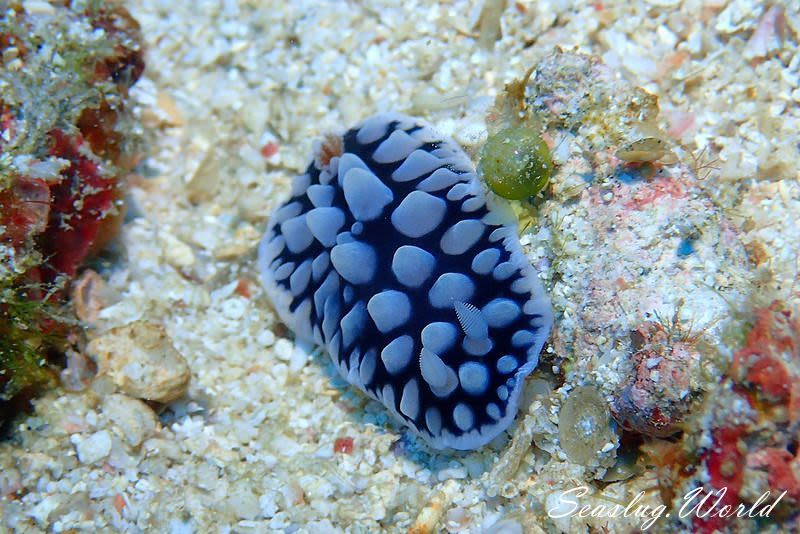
{"x":739,"y":447}
{"x":66,"y":71}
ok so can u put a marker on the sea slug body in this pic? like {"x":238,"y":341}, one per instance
{"x":391,"y":255}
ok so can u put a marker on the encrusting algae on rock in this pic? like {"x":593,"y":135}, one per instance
{"x":65,"y":72}
{"x":658,"y":232}
{"x":739,"y":446}
{"x":665,"y":379}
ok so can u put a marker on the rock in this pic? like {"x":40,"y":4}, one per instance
{"x":94,"y":448}
{"x":141,"y":361}
{"x":176,"y":252}
{"x":134,"y":418}
{"x":42,"y":510}
{"x":10,"y":481}
{"x":244,"y":501}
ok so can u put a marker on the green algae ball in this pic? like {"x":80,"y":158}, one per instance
{"x":516,"y":163}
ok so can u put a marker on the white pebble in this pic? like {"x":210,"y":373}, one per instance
{"x":265,"y":338}
{"x":94,"y":448}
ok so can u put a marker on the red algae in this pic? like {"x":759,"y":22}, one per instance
{"x":739,"y":447}
{"x":769,"y":363}
{"x":63,"y":158}
{"x":85,"y":210}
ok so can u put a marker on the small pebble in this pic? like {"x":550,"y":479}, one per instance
{"x":244,"y":502}
{"x":141,"y":361}
{"x":176,"y":252}
{"x":558,"y":506}
{"x":234,"y":308}
{"x":134,"y":418}
{"x":10,"y":481}
{"x":284,"y":349}
{"x":94,"y":448}
{"x":266,"y":338}
{"x":506,"y":526}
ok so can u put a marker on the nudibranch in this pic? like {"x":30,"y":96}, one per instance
{"x":391,"y":255}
